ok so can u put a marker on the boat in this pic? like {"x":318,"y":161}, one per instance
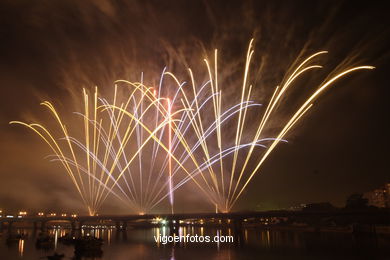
{"x":88,"y":243}
{"x":44,"y":241}
{"x":55,"y":256}
{"x":67,"y":239}
{"x":88,"y":246}
{"x":12,"y":239}
{"x":22,"y":236}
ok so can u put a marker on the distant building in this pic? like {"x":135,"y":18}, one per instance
{"x":386,"y":190}
{"x":321,"y":206}
{"x":297,"y":207}
{"x":379,"y":197}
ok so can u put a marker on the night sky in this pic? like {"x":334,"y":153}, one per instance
{"x":52,"y":49}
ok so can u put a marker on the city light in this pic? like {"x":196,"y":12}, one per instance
{"x":156,"y":220}
{"x":74,"y":215}
{"x":53,"y":214}
{"x":22,"y":214}
{"x":63,"y":215}
{"x":40,"y":214}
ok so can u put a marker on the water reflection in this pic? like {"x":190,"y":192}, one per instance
{"x":139,"y":243}
{"x":21,"y":247}
{"x":173,"y":254}
{"x":55,"y":239}
{"x":109,"y":234}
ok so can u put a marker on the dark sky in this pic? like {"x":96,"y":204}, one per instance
{"x":51,"y":49}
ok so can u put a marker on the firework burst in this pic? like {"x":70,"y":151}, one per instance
{"x":143,"y":146}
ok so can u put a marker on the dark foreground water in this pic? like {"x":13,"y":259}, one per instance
{"x":258,"y":244}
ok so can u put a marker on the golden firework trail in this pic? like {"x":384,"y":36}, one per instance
{"x":224,"y":175}
{"x":110,"y":146}
{"x":141,"y":146}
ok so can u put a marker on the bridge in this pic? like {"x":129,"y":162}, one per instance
{"x":235,"y":219}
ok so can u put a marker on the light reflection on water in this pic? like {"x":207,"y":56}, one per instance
{"x":139,"y":243}
{"x":21,"y":247}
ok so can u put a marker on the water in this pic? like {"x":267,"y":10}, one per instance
{"x":258,"y":244}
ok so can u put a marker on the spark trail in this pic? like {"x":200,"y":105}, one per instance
{"x":141,"y":146}
{"x":223,"y":180}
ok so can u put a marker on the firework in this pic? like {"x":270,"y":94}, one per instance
{"x":223,"y":171}
{"x":141,"y":146}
